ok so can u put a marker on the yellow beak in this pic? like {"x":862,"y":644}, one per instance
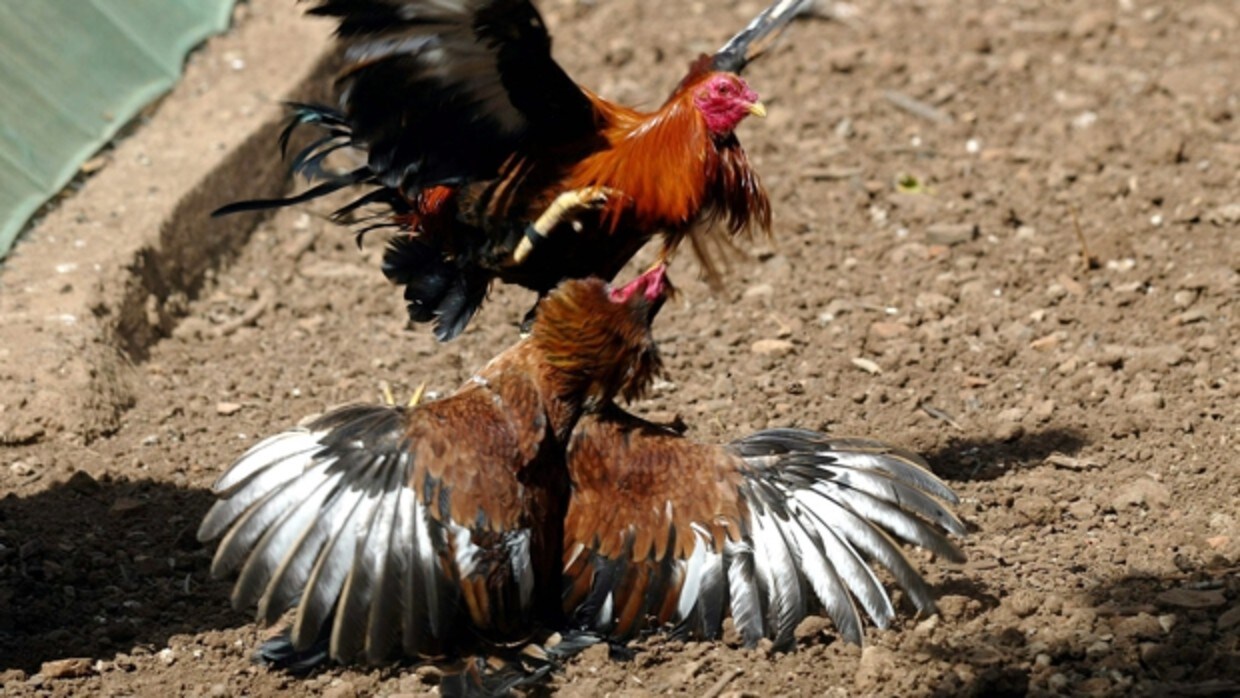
{"x":757,"y":109}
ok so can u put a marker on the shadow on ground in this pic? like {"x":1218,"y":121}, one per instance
{"x":92,"y":568}
{"x":1135,"y":635}
{"x":988,"y":459}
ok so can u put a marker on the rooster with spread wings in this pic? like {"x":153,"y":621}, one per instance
{"x":528,"y":503}
{"x":494,"y":164}
{"x":430,"y":530}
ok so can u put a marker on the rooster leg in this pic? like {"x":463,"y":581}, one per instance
{"x":565,"y":204}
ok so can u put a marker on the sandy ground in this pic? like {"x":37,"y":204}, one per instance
{"x":943,"y":174}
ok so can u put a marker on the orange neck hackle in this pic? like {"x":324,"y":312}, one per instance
{"x":597,"y":340}
{"x":673,"y":166}
{"x":661,"y":162}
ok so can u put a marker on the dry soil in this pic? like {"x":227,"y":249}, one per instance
{"x":1007,"y":235}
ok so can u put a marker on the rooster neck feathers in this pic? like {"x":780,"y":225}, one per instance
{"x":595,"y":349}
{"x":672,"y":169}
{"x":661,"y":162}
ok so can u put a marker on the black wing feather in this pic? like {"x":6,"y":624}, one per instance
{"x":444,"y":92}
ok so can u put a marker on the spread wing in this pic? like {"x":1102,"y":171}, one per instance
{"x":647,"y":511}
{"x":440,"y":91}
{"x":664,"y":531}
{"x":380,"y":528}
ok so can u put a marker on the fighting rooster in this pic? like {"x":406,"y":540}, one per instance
{"x":665,"y":532}
{"x":421,"y":531}
{"x":529,"y":502}
{"x":495,"y":164}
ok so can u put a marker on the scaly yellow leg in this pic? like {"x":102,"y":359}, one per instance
{"x":417,"y":395}
{"x":564,"y":204}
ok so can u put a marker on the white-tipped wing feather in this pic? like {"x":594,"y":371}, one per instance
{"x":327,"y":520}
{"x":771,"y":527}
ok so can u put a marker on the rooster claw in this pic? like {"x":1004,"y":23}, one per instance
{"x":595,"y":197}
{"x":566,"y":203}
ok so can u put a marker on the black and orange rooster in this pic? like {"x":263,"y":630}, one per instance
{"x":424,"y":531}
{"x":481,"y":147}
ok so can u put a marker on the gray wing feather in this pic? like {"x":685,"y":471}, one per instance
{"x":823,"y":512}
{"x":323,"y":519}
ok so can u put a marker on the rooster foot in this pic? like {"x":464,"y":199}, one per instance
{"x":565,"y":204}
{"x":389,"y":399}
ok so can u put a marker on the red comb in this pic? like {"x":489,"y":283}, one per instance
{"x":651,"y":284}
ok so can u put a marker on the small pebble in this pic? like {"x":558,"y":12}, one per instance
{"x":1047,"y":343}
{"x":951,"y":234}
{"x":74,"y":668}
{"x":21,"y":469}
{"x":1229,"y":619}
{"x":867,"y":365}
{"x":343,"y":689}
{"x":227,"y":409}
{"x":1142,"y":492}
{"x":772,"y":347}
{"x":888,"y":330}
{"x":811,"y":627}
{"x":875,"y":668}
{"x":1147,"y":401}
{"x":759,"y":291}
{"x":1224,"y":215}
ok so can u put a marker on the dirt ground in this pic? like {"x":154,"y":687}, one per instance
{"x":942,"y":172}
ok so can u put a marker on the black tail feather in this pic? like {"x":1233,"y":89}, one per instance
{"x":437,"y":288}
{"x":330,"y":119}
{"x":355,"y":177}
{"x":395,"y":203}
{"x":754,"y":39}
{"x":308,"y":162}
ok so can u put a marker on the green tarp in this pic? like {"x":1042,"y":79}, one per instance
{"x":72,"y":72}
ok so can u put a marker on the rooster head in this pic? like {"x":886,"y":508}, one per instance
{"x":598,"y":337}
{"x":724,"y":99}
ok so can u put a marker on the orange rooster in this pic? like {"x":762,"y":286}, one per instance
{"x":481,"y":148}
{"x":664,"y":532}
{"x":425,"y":531}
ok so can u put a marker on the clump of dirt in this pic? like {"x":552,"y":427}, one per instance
{"x":1006,"y":237}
